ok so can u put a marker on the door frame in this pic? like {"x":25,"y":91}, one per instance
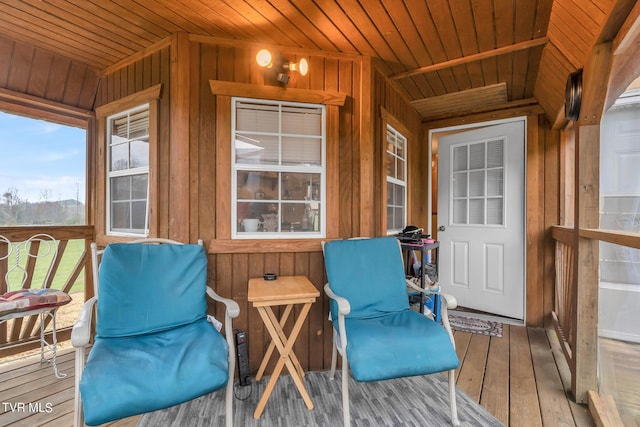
{"x":471,"y":126}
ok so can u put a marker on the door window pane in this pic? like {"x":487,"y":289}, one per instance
{"x":479,"y":184}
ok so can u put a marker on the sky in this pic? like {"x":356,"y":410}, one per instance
{"x":42,"y":160}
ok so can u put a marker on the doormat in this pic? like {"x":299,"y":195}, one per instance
{"x":476,"y":326}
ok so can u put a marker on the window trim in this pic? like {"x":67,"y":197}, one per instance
{"x":399,"y":129}
{"x":223,"y":91}
{"x":149,"y":96}
{"x":235,"y":167}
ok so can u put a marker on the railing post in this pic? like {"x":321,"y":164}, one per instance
{"x":585,"y":347}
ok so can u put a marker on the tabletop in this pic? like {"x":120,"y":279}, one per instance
{"x":284,"y":287}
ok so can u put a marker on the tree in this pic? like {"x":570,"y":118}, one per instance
{"x":13,"y":203}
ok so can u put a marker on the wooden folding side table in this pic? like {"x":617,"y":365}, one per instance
{"x":287,"y":291}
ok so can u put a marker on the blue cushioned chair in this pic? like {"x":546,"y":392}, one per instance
{"x":154,"y":346}
{"x":375,"y":331}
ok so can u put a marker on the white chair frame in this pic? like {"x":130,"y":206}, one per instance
{"x":81,"y":333}
{"x":14,"y":249}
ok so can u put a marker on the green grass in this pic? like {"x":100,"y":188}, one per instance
{"x":69,"y":259}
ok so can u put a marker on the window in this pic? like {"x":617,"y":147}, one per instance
{"x":478,"y":183}
{"x":128,"y":172}
{"x":396,"y":160}
{"x":278,"y":173}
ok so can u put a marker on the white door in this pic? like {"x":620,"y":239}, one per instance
{"x":481,"y":196}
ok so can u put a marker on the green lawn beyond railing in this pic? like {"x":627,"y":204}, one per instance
{"x":69,"y":260}
{"x":19,"y":334}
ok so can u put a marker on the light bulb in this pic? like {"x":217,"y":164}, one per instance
{"x":301,"y":67}
{"x":263,"y":58}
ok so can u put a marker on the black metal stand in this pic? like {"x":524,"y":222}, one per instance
{"x":423,"y":248}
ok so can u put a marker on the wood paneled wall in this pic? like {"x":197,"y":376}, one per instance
{"x":360,"y":131}
{"x":391,"y":106}
{"x":543,"y":212}
{"x":138,"y":76}
{"x":231,"y":271}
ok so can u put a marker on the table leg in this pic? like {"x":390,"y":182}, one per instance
{"x":284,"y":339}
{"x":272,"y":345}
{"x":287,"y":356}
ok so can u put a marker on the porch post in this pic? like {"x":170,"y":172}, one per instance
{"x":587,"y":169}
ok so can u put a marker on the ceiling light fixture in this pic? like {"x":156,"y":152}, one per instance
{"x":265,"y":59}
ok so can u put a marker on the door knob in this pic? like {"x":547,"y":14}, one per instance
{"x":441,"y":228}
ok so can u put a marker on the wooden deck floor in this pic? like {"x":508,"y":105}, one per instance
{"x":515,"y":377}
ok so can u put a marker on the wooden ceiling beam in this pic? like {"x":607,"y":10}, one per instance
{"x":470,"y":58}
{"x":523,"y":107}
{"x":629,"y":34}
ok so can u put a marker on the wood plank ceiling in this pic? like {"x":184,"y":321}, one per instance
{"x":491,"y":53}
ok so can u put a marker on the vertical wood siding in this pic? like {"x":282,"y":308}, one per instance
{"x":230,"y":272}
{"x":395,"y":105}
{"x":39,"y":73}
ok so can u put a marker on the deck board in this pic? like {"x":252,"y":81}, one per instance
{"x":472,"y":371}
{"x":495,"y":388}
{"x":462,"y":340}
{"x":524,"y":408}
{"x":516,"y":377}
{"x":551,"y":395}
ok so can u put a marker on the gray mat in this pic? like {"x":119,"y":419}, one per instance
{"x":415,"y":401}
{"x":475,"y":325}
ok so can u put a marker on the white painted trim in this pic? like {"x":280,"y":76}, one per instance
{"x":621,"y":336}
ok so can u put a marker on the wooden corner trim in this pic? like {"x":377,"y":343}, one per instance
{"x":219,"y":87}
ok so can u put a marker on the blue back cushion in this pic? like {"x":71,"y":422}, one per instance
{"x":146,"y":288}
{"x":369,"y":273}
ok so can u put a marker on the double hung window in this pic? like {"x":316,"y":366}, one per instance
{"x":278,"y":169}
{"x":396,"y":162}
{"x":128,"y":172}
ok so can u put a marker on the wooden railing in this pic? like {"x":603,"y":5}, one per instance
{"x":576,"y":298}
{"x":21,"y":334}
{"x":565,"y":291}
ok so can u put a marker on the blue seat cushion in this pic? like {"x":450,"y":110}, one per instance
{"x":140,"y":285}
{"x":398,"y":345}
{"x":369,"y":273}
{"x":133,"y":375}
